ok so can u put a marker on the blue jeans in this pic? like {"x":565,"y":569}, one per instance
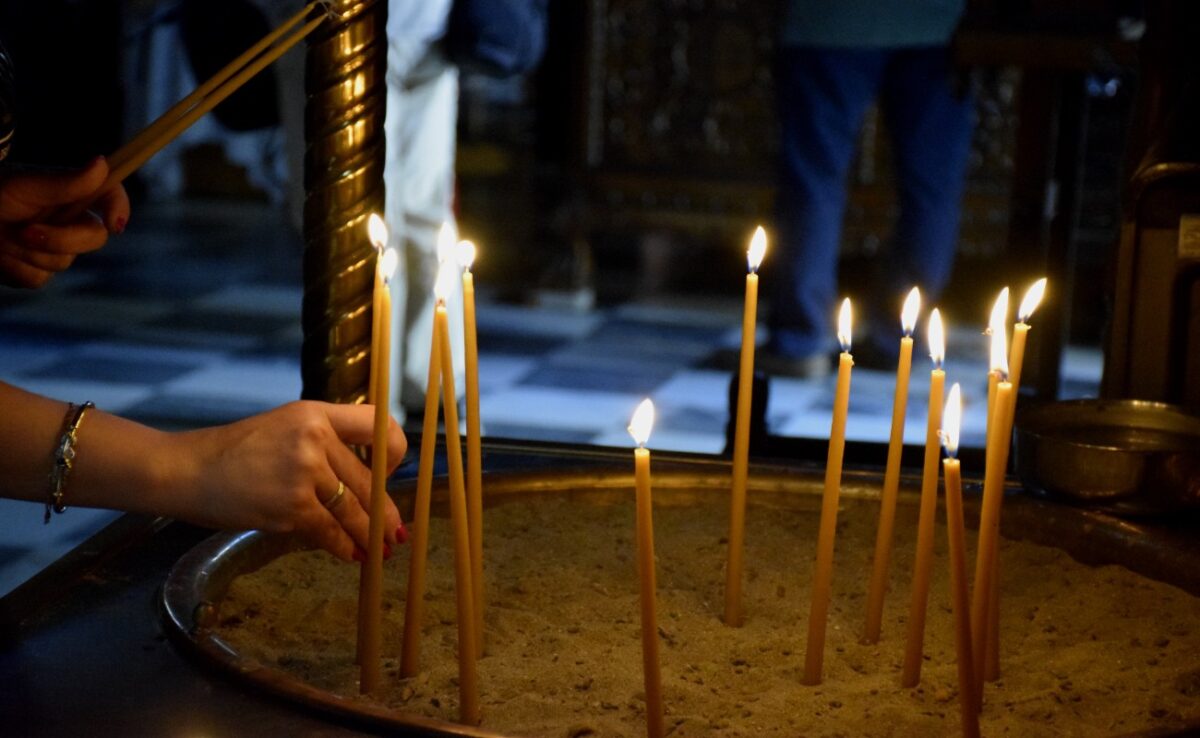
{"x":823,"y":97}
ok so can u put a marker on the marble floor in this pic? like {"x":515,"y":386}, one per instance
{"x":192,"y":317}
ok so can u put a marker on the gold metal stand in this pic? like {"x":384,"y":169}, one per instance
{"x":343,"y":181}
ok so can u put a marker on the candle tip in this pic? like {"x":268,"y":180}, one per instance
{"x":908,"y":314}
{"x":952,"y":420}
{"x":377,"y":231}
{"x":843,"y":332}
{"x":1033,"y":298}
{"x":388,"y":261}
{"x":443,"y":285}
{"x":937,"y":338}
{"x":465,"y":254}
{"x":643,"y":420}
{"x":757,"y":250}
{"x":447,"y":238}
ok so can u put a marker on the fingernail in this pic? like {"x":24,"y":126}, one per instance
{"x":34,"y":236}
{"x":387,"y":552}
{"x":401,"y":534}
{"x":359,"y":555}
{"x":119,"y":225}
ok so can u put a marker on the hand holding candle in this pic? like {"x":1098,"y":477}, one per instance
{"x":639,"y":428}
{"x":923,"y":561}
{"x":741,"y":438}
{"x":891,"y":474}
{"x":959,"y":599}
{"x":818,"y":616}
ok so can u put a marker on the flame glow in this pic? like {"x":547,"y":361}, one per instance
{"x":642,"y":422}
{"x":465,"y":254}
{"x":388,"y":261}
{"x":843,"y":331}
{"x":999,"y":361}
{"x":999,"y":314}
{"x":447,"y":238}
{"x":908,"y":314}
{"x":757,"y":250}
{"x":937,"y":339}
{"x":447,"y":275}
{"x":1033,"y":298}
{"x":952,"y":420}
{"x":377,"y":231}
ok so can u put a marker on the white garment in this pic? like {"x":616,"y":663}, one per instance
{"x":422,"y":110}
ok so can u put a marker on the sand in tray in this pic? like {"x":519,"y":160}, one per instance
{"x":1086,"y":651}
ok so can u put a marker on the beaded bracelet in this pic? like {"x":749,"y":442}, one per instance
{"x":64,"y":457}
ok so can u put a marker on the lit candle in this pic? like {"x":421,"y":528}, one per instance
{"x":999,"y":436}
{"x":414,"y":600}
{"x":997,"y":322}
{"x":923,"y":562}
{"x":959,"y":599}
{"x":468,"y":643}
{"x":741,"y":437}
{"x":819,"y":613}
{"x":377,"y":233}
{"x":1029,"y":303}
{"x":414,"y":603}
{"x":891,"y":474}
{"x":639,"y":428}
{"x":371,"y":590}
{"x":466,"y":257}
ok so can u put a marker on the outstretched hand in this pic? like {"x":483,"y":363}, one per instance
{"x":275,"y":471}
{"x":34,"y":245}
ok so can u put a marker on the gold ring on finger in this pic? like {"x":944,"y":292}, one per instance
{"x":336,"y":497}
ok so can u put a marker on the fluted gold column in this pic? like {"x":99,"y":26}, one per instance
{"x":343,"y":182}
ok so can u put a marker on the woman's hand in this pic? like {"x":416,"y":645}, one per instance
{"x":34,"y":246}
{"x":274,"y":471}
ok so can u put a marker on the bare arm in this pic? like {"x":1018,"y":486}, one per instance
{"x":271,"y":471}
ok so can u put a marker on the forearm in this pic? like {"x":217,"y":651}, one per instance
{"x":118,"y":464}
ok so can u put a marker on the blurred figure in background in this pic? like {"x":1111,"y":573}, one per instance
{"x":835,"y":60}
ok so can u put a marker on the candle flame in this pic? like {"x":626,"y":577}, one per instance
{"x":908,"y":315}
{"x":757,"y":250}
{"x":843,"y":331}
{"x":937,"y":339}
{"x":447,"y":238}
{"x":952,"y":420}
{"x":377,"y":231}
{"x":447,"y":274}
{"x":1033,"y":298}
{"x":643,"y":420}
{"x":1000,"y":353}
{"x":466,"y":254}
{"x":388,"y":261}
{"x":999,"y":314}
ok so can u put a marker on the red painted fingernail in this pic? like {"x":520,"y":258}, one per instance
{"x":387,"y":552}
{"x":359,"y":555}
{"x":119,"y":225}
{"x":401,"y":534}
{"x":34,"y":236}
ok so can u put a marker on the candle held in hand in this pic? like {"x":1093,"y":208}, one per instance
{"x":891,"y":475}
{"x":639,"y":428}
{"x":818,"y":616}
{"x":741,"y":437}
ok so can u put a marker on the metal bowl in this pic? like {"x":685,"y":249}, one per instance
{"x":1130,"y":457}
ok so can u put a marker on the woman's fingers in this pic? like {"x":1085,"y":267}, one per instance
{"x":17,"y":273}
{"x":348,"y":512}
{"x":357,"y":478}
{"x":113,"y":209}
{"x":85,"y":233}
{"x":355,"y":424}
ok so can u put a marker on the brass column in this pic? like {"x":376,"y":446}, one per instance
{"x":345,"y":101}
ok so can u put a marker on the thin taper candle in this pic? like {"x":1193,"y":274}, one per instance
{"x":959,"y":597}
{"x":466,"y":257}
{"x":818,"y":616}
{"x":741,"y":437}
{"x":468,"y":644}
{"x":639,"y":428}
{"x":414,"y":601}
{"x":891,"y":475}
{"x":923,"y":560}
{"x":370,"y":666}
